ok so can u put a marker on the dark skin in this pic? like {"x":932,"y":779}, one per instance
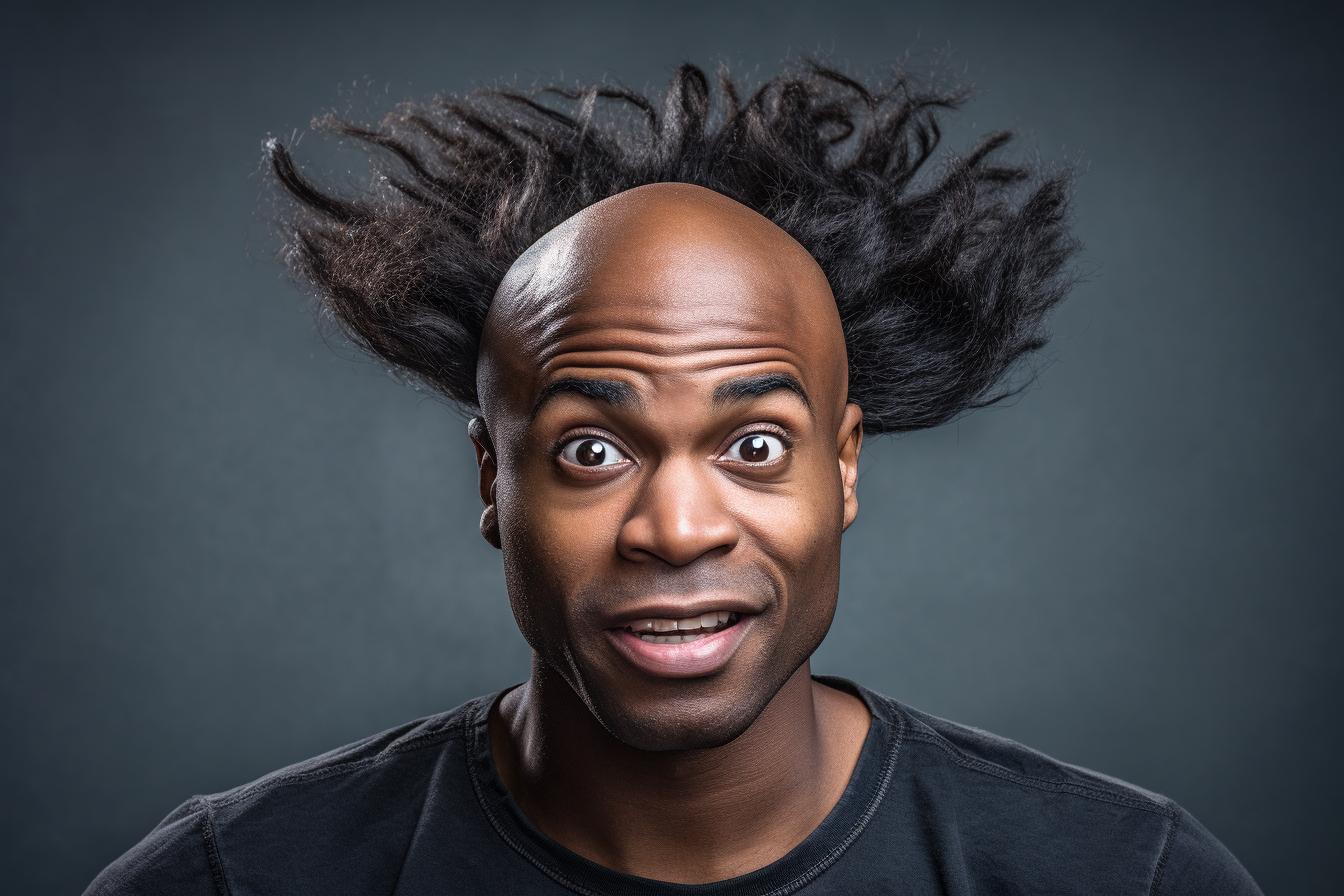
{"x":666,"y":436}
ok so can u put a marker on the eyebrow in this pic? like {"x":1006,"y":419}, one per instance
{"x":746,"y":387}
{"x":608,"y":391}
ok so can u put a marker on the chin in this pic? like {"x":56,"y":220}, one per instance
{"x":680,"y":724}
{"x":662,"y":735}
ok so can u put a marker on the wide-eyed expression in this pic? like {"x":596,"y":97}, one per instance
{"x":670,"y":460}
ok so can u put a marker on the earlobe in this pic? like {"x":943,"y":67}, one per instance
{"x":485,"y":465}
{"x":490,"y":526}
{"x":850,"y":444}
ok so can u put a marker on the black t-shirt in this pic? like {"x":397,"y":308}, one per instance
{"x":932,"y":807}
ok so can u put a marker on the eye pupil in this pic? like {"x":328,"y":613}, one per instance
{"x":755,"y":449}
{"x":591,"y":453}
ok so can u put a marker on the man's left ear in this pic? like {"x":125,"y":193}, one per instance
{"x":849,"y":443}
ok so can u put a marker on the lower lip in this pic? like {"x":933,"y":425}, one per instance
{"x":703,"y":656}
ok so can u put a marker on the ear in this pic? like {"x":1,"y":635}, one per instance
{"x":485,"y":464}
{"x":848,"y":444}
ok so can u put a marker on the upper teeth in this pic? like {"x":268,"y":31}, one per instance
{"x":679,"y":631}
{"x":704,"y":620}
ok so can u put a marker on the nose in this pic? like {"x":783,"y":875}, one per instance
{"x":679,"y":516}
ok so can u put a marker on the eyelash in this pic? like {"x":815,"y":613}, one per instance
{"x":570,"y":438}
{"x":765,"y":429}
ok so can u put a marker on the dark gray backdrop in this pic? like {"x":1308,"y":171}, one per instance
{"x":227,"y":548}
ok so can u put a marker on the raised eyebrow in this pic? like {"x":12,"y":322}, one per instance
{"x":609,"y":391}
{"x":746,"y":387}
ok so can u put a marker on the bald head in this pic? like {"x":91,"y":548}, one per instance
{"x":678,"y":263}
{"x":646,"y":223}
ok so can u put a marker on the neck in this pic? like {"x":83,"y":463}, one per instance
{"x":690,"y":816}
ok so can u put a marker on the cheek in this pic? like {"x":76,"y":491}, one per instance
{"x":528,"y":556}
{"x":801,"y":532}
{"x":806,"y":526}
{"x":551,"y":545}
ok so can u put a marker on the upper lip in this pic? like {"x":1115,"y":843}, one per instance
{"x":684,"y":608}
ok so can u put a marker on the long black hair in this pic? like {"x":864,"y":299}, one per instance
{"x":943,"y":281}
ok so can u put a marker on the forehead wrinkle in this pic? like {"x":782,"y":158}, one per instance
{"x":667,"y":339}
{"x":653,"y":365}
{"x":702,"y":318}
{"x":781,"y":375}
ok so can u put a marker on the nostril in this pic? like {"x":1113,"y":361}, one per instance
{"x":679,"y":516}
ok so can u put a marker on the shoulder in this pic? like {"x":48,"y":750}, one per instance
{"x":313,"y":813}
{"x":1013,"y":767}
{"x":173,"y":858}
{"x":1194,"y":861}
{"x":1014,"y":811}
{"x":397,"y":759}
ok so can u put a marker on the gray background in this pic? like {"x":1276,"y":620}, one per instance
{"x":227,"y":547}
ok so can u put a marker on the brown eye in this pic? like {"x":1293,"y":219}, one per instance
{"x":592,"y":452}
{"x":757,"y":448}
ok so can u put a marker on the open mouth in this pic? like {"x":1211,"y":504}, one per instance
{"x":683,"y":648}
{"x":681,"y":631}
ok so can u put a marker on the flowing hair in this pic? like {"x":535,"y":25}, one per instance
{"x":944,"y":281}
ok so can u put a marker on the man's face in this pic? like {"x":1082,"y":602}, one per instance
{"x":670,"y":461}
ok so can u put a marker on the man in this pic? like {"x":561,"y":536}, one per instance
{"x":674,"y":347}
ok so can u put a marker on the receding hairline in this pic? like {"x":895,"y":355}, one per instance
{"x":593,"y":234}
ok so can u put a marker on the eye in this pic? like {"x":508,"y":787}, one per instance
{"x":757,"y":448}
{"x":592,"y":452}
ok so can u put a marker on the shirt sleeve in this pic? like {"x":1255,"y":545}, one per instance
{"x":174,"y":860}
{"x":1194,"y":863}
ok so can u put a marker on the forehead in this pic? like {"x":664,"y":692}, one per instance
{"x":659,"y":282}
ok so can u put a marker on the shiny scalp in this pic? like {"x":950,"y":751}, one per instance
{"x":944,"y":273}
{"x":669,"y":246}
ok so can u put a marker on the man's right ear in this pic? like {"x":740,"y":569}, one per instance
{"x":485,"y":465}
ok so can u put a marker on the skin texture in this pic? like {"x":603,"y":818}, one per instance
{"x":666,"y":433}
